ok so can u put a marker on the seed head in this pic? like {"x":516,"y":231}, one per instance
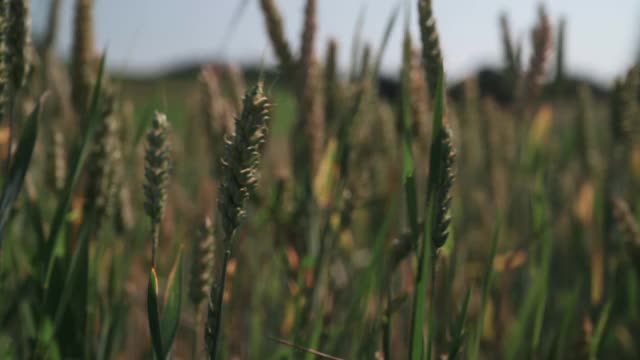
{"x":240,"y":158}
{"x":202,"y":264}
{"x":19,"y":42}
{"x":431,"y":53}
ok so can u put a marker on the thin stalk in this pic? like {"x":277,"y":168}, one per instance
{"x":218,"y":304}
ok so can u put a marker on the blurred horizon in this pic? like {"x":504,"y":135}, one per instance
{"x":149,"y":38}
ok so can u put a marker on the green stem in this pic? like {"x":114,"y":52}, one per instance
{"x":218,"y":304}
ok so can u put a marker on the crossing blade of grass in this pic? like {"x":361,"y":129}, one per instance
{"x":436,"y":168}
{"x":596,"y":339}
{"x":385,"y":40}
{"x":19,"y":166}
{"x":569,"y":314}
{"x":544,"y":228}
{"x":356,"y":43}
{"x":408,"y":166}
{"x":72,"y":179}
{"x":306,"y":350}
{"x":77,"y":266}
{"x":474,"y":350}
{"x":458,"y":333}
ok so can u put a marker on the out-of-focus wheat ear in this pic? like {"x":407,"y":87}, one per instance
{"x":629,"y":227}
{"x":307,"y":44}
{"x":273,"y":20}
{"x":431,"y":53}
{"x":56,"y":166}
{"x":419,"y":101}
{"x":508,"y":50}
{"x":625,"y":107}
{"x":237,"y":84}
{"x":19,"y":42}
{"x":4,"y":57}
{"x":103,"y":163}
{"x":82,"y":56}
{"x":443,"y":216}
{"x":560,"y":61}
{"x":124,"y":212}
{"x":331,"y":86}
{"x":310,"y":123}
{"x":216,"y":114}
{"x":156,"y":172}
{"x":240,"y":159}
{"x":53,"y":21}
{"x":631,"y":107}
{"x":541,"y":38}
{"x":202,"y":261}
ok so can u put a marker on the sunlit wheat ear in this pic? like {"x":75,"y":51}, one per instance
{"x":419,"y":100}
{"x":443,"y":200}
{"x":156,"y":172}
{"x":541,"y":38}
{"x":82,"y":56}
{"x":104,"y":160}
{"x":56,"y":166}
{"x":237,"y":84}
{"x":273,"y":20}
{"x":124,"y":212}
{"x":202,"y":261}
{"x":240,"y":159}
{"x":19,"y":42}
{"x":4,"y":57}
{"x":431,"y":53}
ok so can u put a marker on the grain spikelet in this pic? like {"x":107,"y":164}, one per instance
{"x":431,"y":53}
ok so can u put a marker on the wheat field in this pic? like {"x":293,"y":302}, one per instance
{"x":312,"y":212}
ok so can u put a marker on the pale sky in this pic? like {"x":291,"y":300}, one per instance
{"x":150,"y":35}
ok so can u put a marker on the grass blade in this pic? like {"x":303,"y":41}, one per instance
{"x":19,"y":166}
{"x":153,"y":314}
{"x":474,"y":351}
{"x":458,"y":330}
{"x":74,"y":175}
{"x":599,"y":330}
{"x":172,"y":304}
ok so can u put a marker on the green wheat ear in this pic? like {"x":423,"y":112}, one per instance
{"x":443,"y":216}
{"x":156,"y":172}
{"x":240,"y":158}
